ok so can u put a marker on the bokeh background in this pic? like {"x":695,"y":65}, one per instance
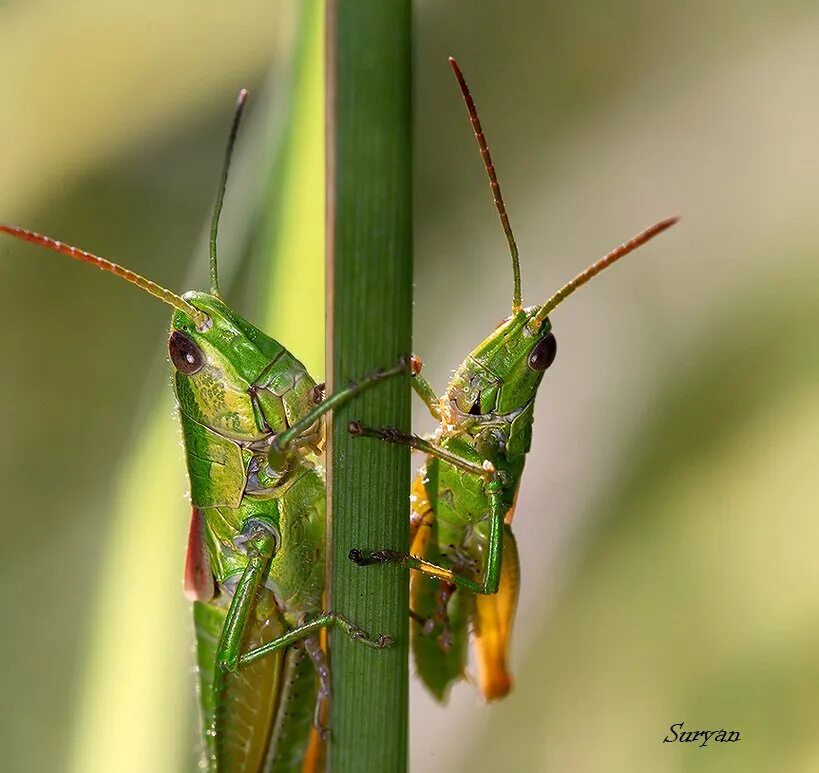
{"x":667,"y":521}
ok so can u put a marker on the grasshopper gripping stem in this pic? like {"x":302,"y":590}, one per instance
{"x":494,"y":489}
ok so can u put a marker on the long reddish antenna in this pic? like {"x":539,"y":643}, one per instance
{"x":595,"y":268}
{"x":517,"y":302}
{"x":200,"y":318}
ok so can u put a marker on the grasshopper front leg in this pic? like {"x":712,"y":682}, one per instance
{"x":494,"y":490}
{"x":423,"y":388}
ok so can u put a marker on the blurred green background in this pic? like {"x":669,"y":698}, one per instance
{"x":667,"y":518}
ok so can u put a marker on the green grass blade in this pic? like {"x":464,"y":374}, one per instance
{"x":292,"y":243}
{"x":370,"y":270}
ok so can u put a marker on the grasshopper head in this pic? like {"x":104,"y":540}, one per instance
{"x":502,"y":374}
{"x":223,"y":375}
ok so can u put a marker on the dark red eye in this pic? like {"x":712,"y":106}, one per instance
{"x":543,"y":355}
{"x":186,"y":356}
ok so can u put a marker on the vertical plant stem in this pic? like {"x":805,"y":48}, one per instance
{"x":370,"y":280}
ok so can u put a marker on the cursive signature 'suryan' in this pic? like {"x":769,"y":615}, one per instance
{"x":703,"y":736}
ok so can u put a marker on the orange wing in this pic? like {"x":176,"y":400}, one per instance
{"x":421,"y":515}
{"x":315,"y":758}
{"x":492,"y":625}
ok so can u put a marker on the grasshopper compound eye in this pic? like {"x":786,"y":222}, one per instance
{"x":543,"y":355}
{"x":186,"y":356}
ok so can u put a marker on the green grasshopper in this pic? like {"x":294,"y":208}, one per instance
{"x":252,"y":422}
{"x":463,"y":500}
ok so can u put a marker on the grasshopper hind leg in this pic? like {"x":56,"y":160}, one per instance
{"x":319,"y":658}
{"x":440,"y":643}
{"x":324,"y":620}
{"x":439,"y":619}
{"x":441,"y":616}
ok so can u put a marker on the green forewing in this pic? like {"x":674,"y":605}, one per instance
{"x":247,"y":700}
{"x":438,"y":666}
{"x":208,"y":620}
{"x":294,"y":723}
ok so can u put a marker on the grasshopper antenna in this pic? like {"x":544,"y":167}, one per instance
{"x":200,"y":319}
{"x":220,"y":196}
{"x":517,"y":302}
{"x":595,"y":268}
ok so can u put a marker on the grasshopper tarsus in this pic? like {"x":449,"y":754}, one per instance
{"x":355,"y":556}
{"x":365,"y":557}
{"x":380,"y":642}
{"x":388,"y":434}
{"x":370,"y":557}
{"x":319,"y":391}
